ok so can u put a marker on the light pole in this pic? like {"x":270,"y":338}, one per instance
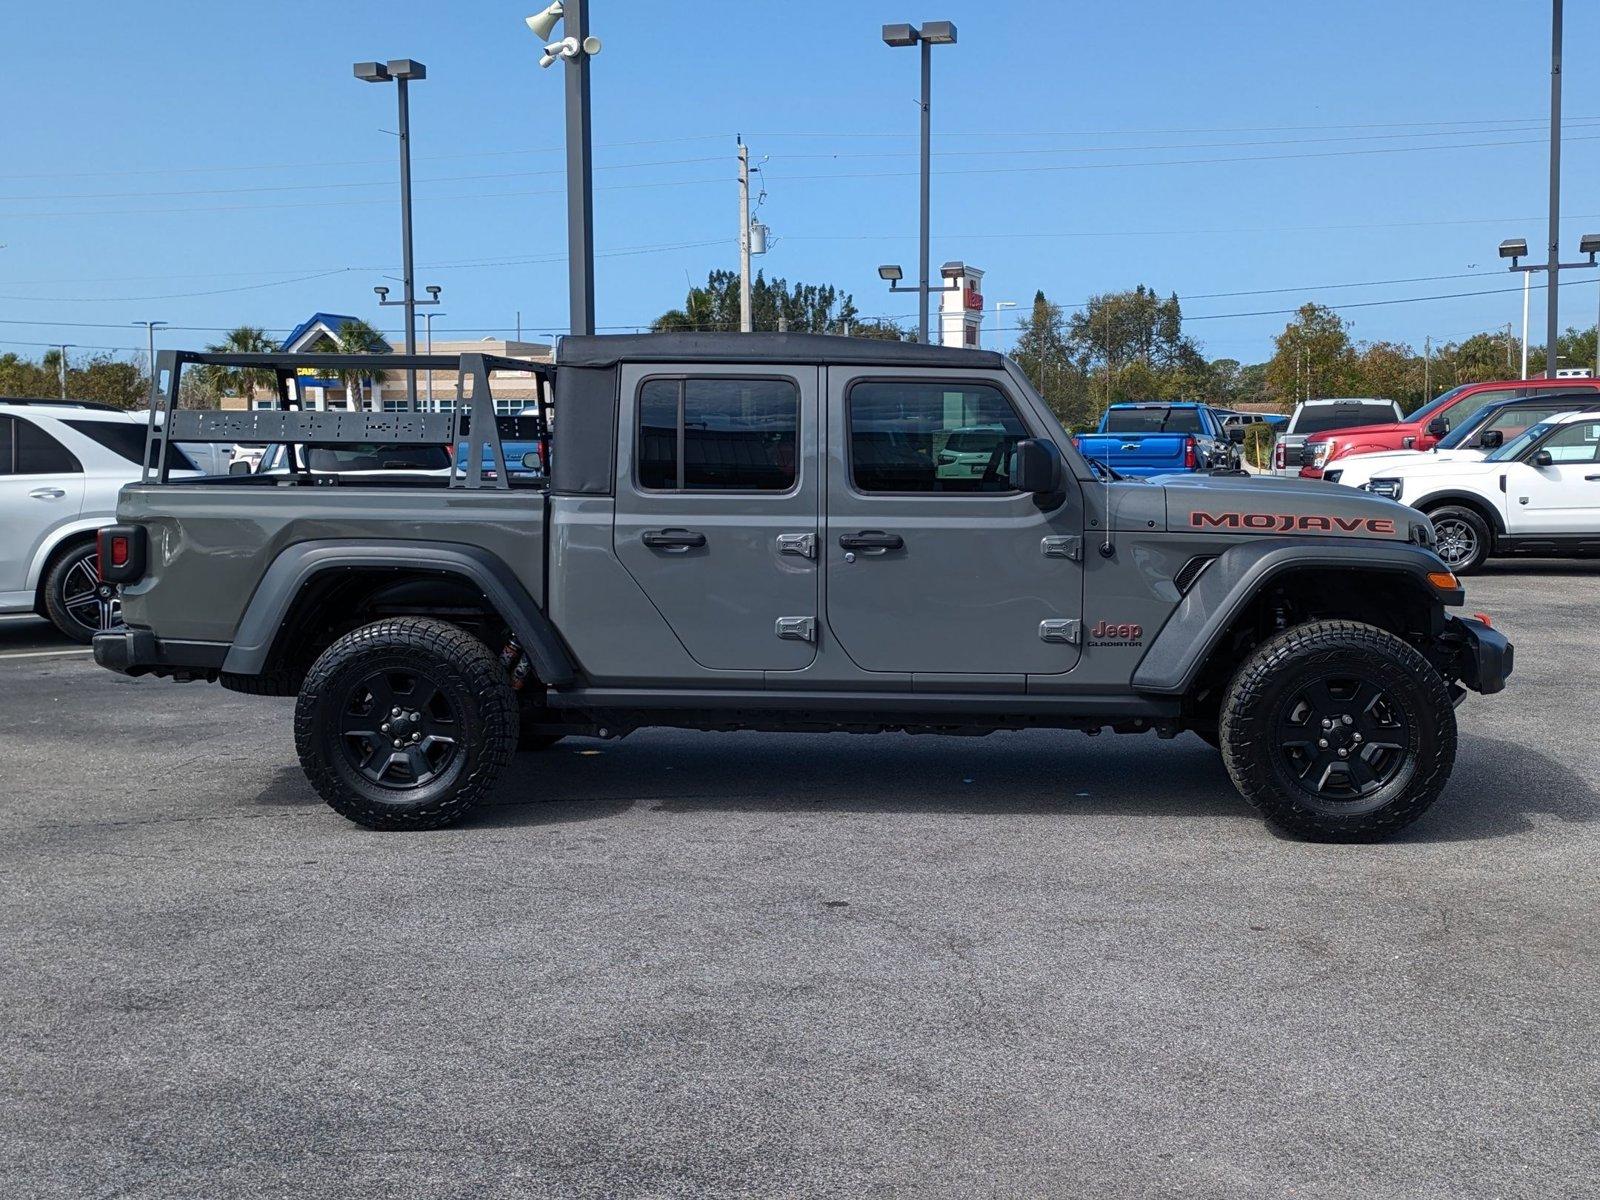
{"x":999,"y":307}
{"x":1516,"y":249}
{"x":577,"y":48}
{"x":402,"y":71}
{"x":411,"y":305}
{"x":952,"y":271}
{"x":932,"y":33}
{"x":428,"y":320}
{"x":150,"y":334}
{"x":1553,"y":262}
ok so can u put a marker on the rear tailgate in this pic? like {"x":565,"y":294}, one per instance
{"x":1137,"y":453}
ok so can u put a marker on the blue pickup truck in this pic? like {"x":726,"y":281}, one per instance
{"x":1156,"y":438}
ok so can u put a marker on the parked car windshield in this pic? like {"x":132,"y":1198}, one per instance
{"x":1321,"y":418}
{"x":1428,"y":410}
{"x":1153,"y":420}
{"x":1514,"y":448}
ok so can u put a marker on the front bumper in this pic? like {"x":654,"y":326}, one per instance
{"x":139,"y":652}
{"x":1483,"y":656}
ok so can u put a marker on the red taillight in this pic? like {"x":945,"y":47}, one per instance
{"x":114,"y":549}
{"x":1278,"y":458}
{"x":119,"y":550}
{"x":122,"y":553}
{"x":1191,"y":459}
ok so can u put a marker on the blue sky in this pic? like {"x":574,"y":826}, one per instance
{"x":157,"y":153}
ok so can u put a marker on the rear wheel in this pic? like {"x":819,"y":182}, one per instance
{"x":1464,"y":537}
{"x":405,"y":724}
{"x":1338,"y":731}
{"x":76,"y":599}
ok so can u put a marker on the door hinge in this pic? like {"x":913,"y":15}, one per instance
{"x":797,"y":629}
{"x":803,"y":544}
{"x":1061,"y":631}
{"x":1062,"y":547}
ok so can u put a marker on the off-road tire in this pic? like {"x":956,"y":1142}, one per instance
{"x":470,"y":687}
{"x":1270,"y":689}
{"x":77,"y":567}
{"x":1457,"y":517}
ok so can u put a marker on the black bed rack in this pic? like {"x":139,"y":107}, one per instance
{"x":471,"y":420}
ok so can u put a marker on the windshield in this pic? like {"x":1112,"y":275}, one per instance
{"x":1321,"y":418}
{"x":1153,"y":420}
{"x":1514,"y":448}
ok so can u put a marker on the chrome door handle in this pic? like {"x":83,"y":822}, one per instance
{"x":47,"y":493}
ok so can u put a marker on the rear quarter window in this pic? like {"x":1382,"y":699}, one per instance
{"x":126,"y":439}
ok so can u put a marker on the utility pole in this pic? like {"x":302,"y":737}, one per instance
{"x":150,"y":363}
{"x":428,"y":318}
{"x":1427,"y":364}
{"x":1552,"y":320}
{"x":1527,"y":286}
{"x":63,"y":347}
{"x":746,"y":301}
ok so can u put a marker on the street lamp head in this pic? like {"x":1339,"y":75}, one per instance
{"x":900,"y":35}
{"x":407,"y":68}
{"x":1589,"y":244}
{"x":953,"y":270}
{"x":939,"y":33}
{"x":891,"y":272}
{"x":543,"y":23}
{"x":383,"y":292}
{"x":372,"y":72}
{"x":1514,"y":248}
{"x":433,"y":289}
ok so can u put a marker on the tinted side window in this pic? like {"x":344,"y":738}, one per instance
{"x":725,"y":434}
{"x":1575,"y":443}
{"x":6,"y":440}
{"x":932,"y":437}
{"x":1467,"y":406}
{"x":40,"y":454}
{"x":127,"y":440}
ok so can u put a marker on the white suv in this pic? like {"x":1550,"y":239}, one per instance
{"x":61,"y":466}
{"x":1537,"y":494}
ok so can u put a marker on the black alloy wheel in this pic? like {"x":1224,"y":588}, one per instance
{"x":399,"y":729}
{"x":1344,"y":739}
{"x":77,"y":600}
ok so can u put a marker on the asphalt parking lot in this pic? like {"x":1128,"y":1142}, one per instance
{"x":703,"y":964}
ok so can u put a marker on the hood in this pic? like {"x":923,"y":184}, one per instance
{"x":1440,"y":464}
{"x":1280,"y":505}
{"x":1357,"y":431}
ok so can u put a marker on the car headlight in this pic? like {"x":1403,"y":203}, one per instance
{"x":1388,"y":488}
{"x":1320,"y":452}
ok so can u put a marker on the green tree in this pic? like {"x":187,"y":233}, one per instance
{"x":1388,"y":371}
{"x":774,"y":304}
{"x":355,"y":337}
{"x":1132,"y":346}
{"x":241,"y":381}
{"x":106,"y":380}
{"x":1313,"y":357}
{"x":23,"y":378}
{"x":1042,"y":352}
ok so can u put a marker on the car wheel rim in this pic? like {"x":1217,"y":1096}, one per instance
{"x":398,"y":729}
{"x":1343,"y":738}
{"x":88,"y":599}
{"x":1458,"y":541}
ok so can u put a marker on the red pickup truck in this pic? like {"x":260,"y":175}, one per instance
{"x":1423,"y":428}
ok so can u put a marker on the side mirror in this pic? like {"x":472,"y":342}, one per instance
{"x":1236,"y":434}
{"x":1491,"y":439}
{"x":242,"y":467}
{"x":1036,"y":466}
{"x":1543,"y":459}
{"x":1438,"y":427}
{"x":532,"y":462}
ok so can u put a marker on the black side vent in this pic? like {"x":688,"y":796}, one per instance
{"x":1192,"y":570}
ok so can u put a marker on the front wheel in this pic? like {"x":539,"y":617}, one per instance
{"x":1464,"y":537}
{"x":405,"y":724}
{"x":1338,"y":732}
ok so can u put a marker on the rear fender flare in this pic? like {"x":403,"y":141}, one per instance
{"x":1223,"y":591}
{"x":298,"y":565}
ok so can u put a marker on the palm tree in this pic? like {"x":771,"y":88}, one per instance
{"x":355,"y":337}
{"x":243,"y":381}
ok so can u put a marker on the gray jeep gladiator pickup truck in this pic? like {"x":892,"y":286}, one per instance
{"x":764,"y":532}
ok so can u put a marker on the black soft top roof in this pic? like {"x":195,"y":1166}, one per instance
{"x":607,"y":350}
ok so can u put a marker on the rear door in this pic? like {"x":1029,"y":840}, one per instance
{"x":935,"y":573}
{"x":41,"y":490}
{"x":718,"y":506}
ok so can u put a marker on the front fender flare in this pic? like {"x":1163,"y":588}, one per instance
{"x":1221,"y":593}
{"x":299,"y":564}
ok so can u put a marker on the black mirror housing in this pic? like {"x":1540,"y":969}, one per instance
{"x":1543,"y":459}
{"x":1036,"y":466}
{"x":1491,"y":439}
{"x":1438,"y":427}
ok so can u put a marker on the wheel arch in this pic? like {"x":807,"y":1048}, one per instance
{"x":1491,"y":515}
{"x":1385,"y":583}
{"x":64,"y":542}
{"x":424,"y":576}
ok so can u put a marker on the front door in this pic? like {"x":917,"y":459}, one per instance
{"x":1563,"y":498}
{"x":718,"y":508}
{"x":936,"y":565}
